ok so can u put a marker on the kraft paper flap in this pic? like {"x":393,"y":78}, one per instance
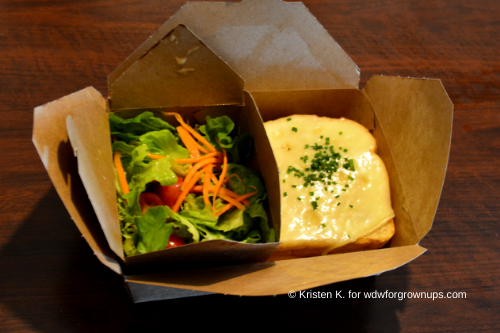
{"x":177,"y":70}
{"x":405,"y":229}
{"x":205,"y":254}
{"x":51,"y":141}
{"x":271,"y":44}
{"x":333,"y":103}
{"x":90,"y":137}
{"x":416,"y":117}
{"x":274,"y":278}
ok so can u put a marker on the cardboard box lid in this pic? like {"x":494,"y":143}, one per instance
{"x":416,"y":117}
{"x":178,"y":70}
{"x":271,"y":44}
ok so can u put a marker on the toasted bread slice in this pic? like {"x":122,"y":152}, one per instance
{"x":375,"y":240}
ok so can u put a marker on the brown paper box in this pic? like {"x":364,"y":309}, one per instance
{"x":287,"y":63}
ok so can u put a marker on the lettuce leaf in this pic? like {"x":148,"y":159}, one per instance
{"x":217,"y":131}
{"x":152,"y":230}
{"x":130,"y":129}
{"x":251,"y":182}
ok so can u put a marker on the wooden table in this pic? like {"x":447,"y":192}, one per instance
{"x":50,"y":280}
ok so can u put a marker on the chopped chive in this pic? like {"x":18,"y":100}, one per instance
{"x":338,"y":204}
{"x":346,"y":185}
{"x":284,"y":180}
{"x":345,"y":150}
{"x":351,"y":164}
{"x":350,"y":206}
{"x":289,"y":119}
{"x":344,"y":189}
{"x":294,"y":129}
{"x":337,"y":196}
{"x":323,"y":225}
{"x":314,"y":204}
{"x":350,"y":178}
{"x":321,"y":137}
{"x":340,"y":133}
{"x":299,"y":198}
{"x":311,"y":193}
{"x":285,"y":194}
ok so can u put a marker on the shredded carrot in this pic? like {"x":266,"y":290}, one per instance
{"x":223,"y":190}
{"x":234,"y":175}
{"x":187,"y":188}
{"x":229,"y":205}
{"x":201,"y":148}
{"x":221,"y":179}
{"x":206,"y":184}
{"x":224,"y":209}
{"x":214,"y":179}
{"x":191,"y":130}
{"x":121,"y":173}
{"x":198,"y":159}
{"x":196,"y":167}
{"x":155,"y":157}
{"x":188,"y":142}
{"x":232,"y":201}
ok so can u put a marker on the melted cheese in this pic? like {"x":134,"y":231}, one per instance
{"x":350,"y":203}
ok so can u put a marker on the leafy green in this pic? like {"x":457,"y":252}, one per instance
{"x":251,"y":182}
{"x":153,"y":233}
{"x":218,"y":131}
{"x":145,"y":134}
{"x":130,"y":129}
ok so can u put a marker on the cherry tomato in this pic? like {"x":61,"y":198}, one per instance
{"x":175,"y":241}
{"x":169,"y":193}
{"x":148,"y":200}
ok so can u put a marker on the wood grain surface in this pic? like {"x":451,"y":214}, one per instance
{"x":50,"y":281}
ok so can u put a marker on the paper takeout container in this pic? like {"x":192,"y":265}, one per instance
{"x":253,"y":61}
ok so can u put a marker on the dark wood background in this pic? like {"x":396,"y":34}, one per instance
{"x":50,"y":280}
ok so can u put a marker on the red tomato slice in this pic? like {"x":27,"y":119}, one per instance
{"x":169,"y":194}
{"x":175,"y":241}
{"x":147,"y":200}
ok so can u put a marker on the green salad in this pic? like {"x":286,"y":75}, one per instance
{"x":181,"y":185}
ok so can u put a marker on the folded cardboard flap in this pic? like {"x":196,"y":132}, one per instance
{"x":416,"y":118}
{"x":50,"y":138}
{"x":89,"y":134}
{"x":177,"y":71}
{"x":271,"y":44}
{"x":280,"y":277}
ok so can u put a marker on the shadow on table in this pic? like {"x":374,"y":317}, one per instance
{"x":51,"y":281}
